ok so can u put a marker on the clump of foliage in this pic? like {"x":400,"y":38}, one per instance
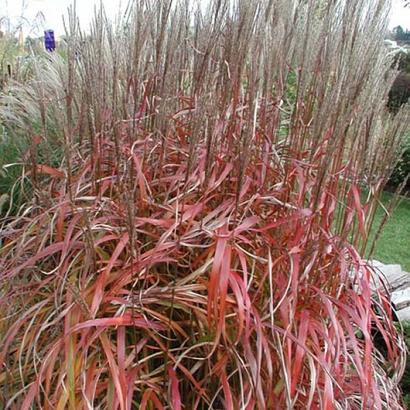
{"x":187,"y":252}
{"x":401,"y":171}
{"x":9,"y":49}
{"x":406,"y":377}
{"x":400,"y":91}
{"x":398,"y":96}
{"x":12,"y":48}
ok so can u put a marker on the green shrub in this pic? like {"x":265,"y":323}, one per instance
{"x":402,"y":169}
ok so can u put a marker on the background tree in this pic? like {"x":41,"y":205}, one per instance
{"x":401,"y":34}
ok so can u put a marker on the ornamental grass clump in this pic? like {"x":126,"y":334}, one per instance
{"x":200,"y":245}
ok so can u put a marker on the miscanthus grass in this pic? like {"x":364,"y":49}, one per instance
{"x":200,"y":244}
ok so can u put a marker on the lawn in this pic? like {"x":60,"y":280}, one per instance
{"x":394,"y":247}
{"x":394,"y":243}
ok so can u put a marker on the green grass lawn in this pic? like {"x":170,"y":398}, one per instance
{"x":394,"y":247}
{"x":394,"y":243}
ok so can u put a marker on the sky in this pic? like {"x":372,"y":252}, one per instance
{"x":54,"y":9}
